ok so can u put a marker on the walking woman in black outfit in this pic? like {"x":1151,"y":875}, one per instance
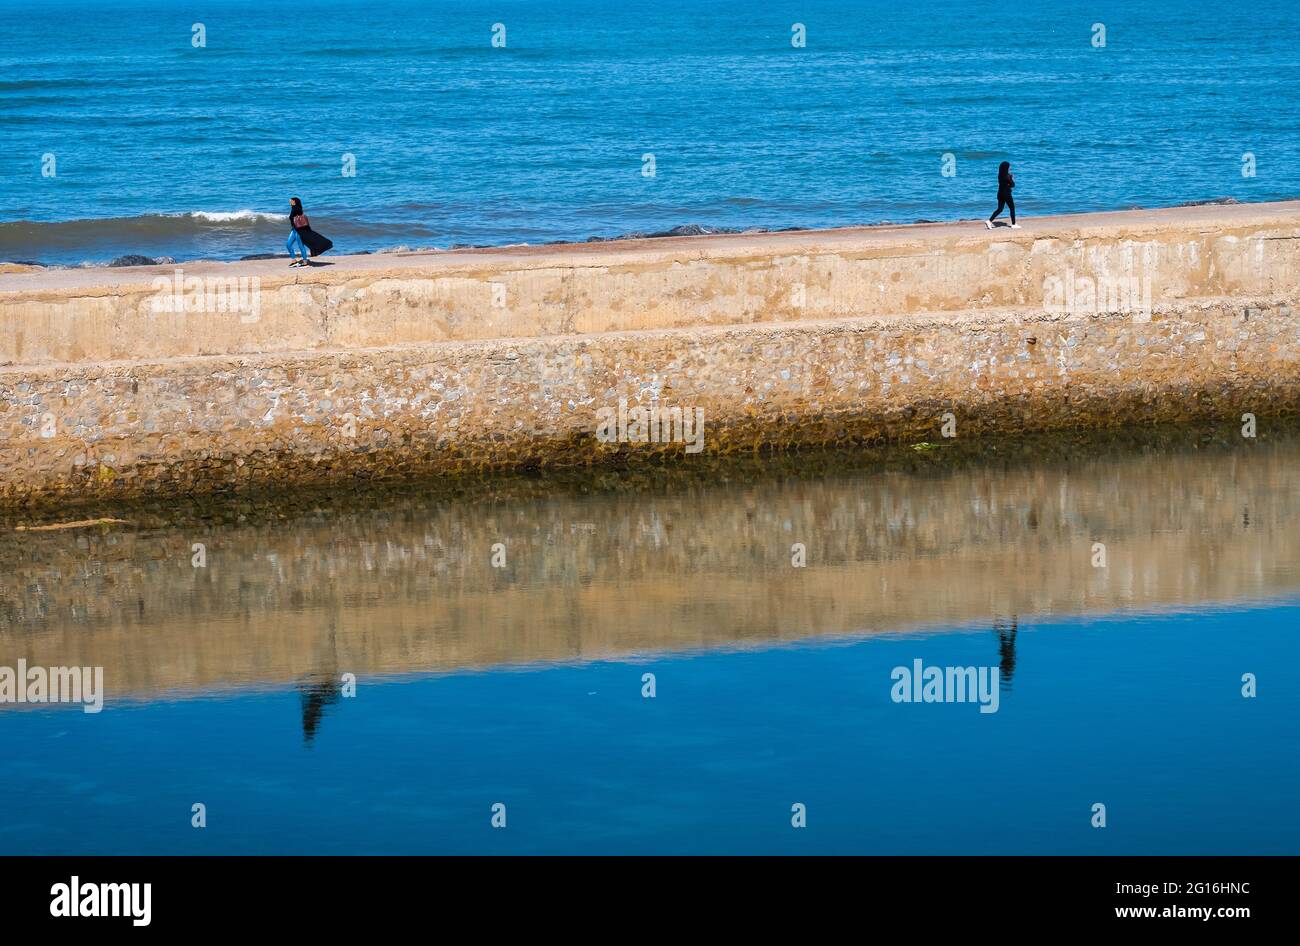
{"x":1006,"y":183}
{"x":302,"y":237}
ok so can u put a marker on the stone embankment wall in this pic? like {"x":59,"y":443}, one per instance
{"x":240,"y":375}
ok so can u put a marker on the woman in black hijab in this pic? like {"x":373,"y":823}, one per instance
{"x":303,"y":236}
{"x":1006,"y":183}
{"x":295,"y":238}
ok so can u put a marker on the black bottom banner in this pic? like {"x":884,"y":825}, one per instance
{"x":333,"y":895}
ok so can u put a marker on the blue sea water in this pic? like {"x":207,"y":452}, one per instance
{"x":1143,"y":715}
{"x":162,"y":148}
{"x":774,"y":686}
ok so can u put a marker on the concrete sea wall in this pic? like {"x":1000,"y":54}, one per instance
{"x":144,"y":381}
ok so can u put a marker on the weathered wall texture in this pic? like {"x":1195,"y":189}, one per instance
{"x":703,"y":281}
{"x":480,"y":361}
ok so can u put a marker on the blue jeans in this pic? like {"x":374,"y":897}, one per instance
{"x":296,"y":240}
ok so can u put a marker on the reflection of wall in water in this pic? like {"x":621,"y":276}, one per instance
{"x":408,"y":586}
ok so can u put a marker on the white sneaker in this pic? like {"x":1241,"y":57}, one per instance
{"x":1015,"y":226}
{"x":989,"y":224}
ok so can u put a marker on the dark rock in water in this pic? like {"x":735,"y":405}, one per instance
{"x":25,"y":262}
{"x":686,"y":229}
{"x":135,"y":259}
{"x":265,"y":256}
{"x":1212,"y":202}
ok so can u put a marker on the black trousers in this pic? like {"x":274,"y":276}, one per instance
{"x":1007,"y":201}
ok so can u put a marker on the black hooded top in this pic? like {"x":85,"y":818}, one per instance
{"x":1005,"y":181}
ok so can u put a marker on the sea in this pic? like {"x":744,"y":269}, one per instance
{"x":171,"y":131}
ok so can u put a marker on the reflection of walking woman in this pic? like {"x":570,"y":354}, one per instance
{"x":298,"y":220}
{"x":1006,"y":183}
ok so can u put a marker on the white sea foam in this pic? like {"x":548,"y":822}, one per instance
{"x":229,"y":216}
